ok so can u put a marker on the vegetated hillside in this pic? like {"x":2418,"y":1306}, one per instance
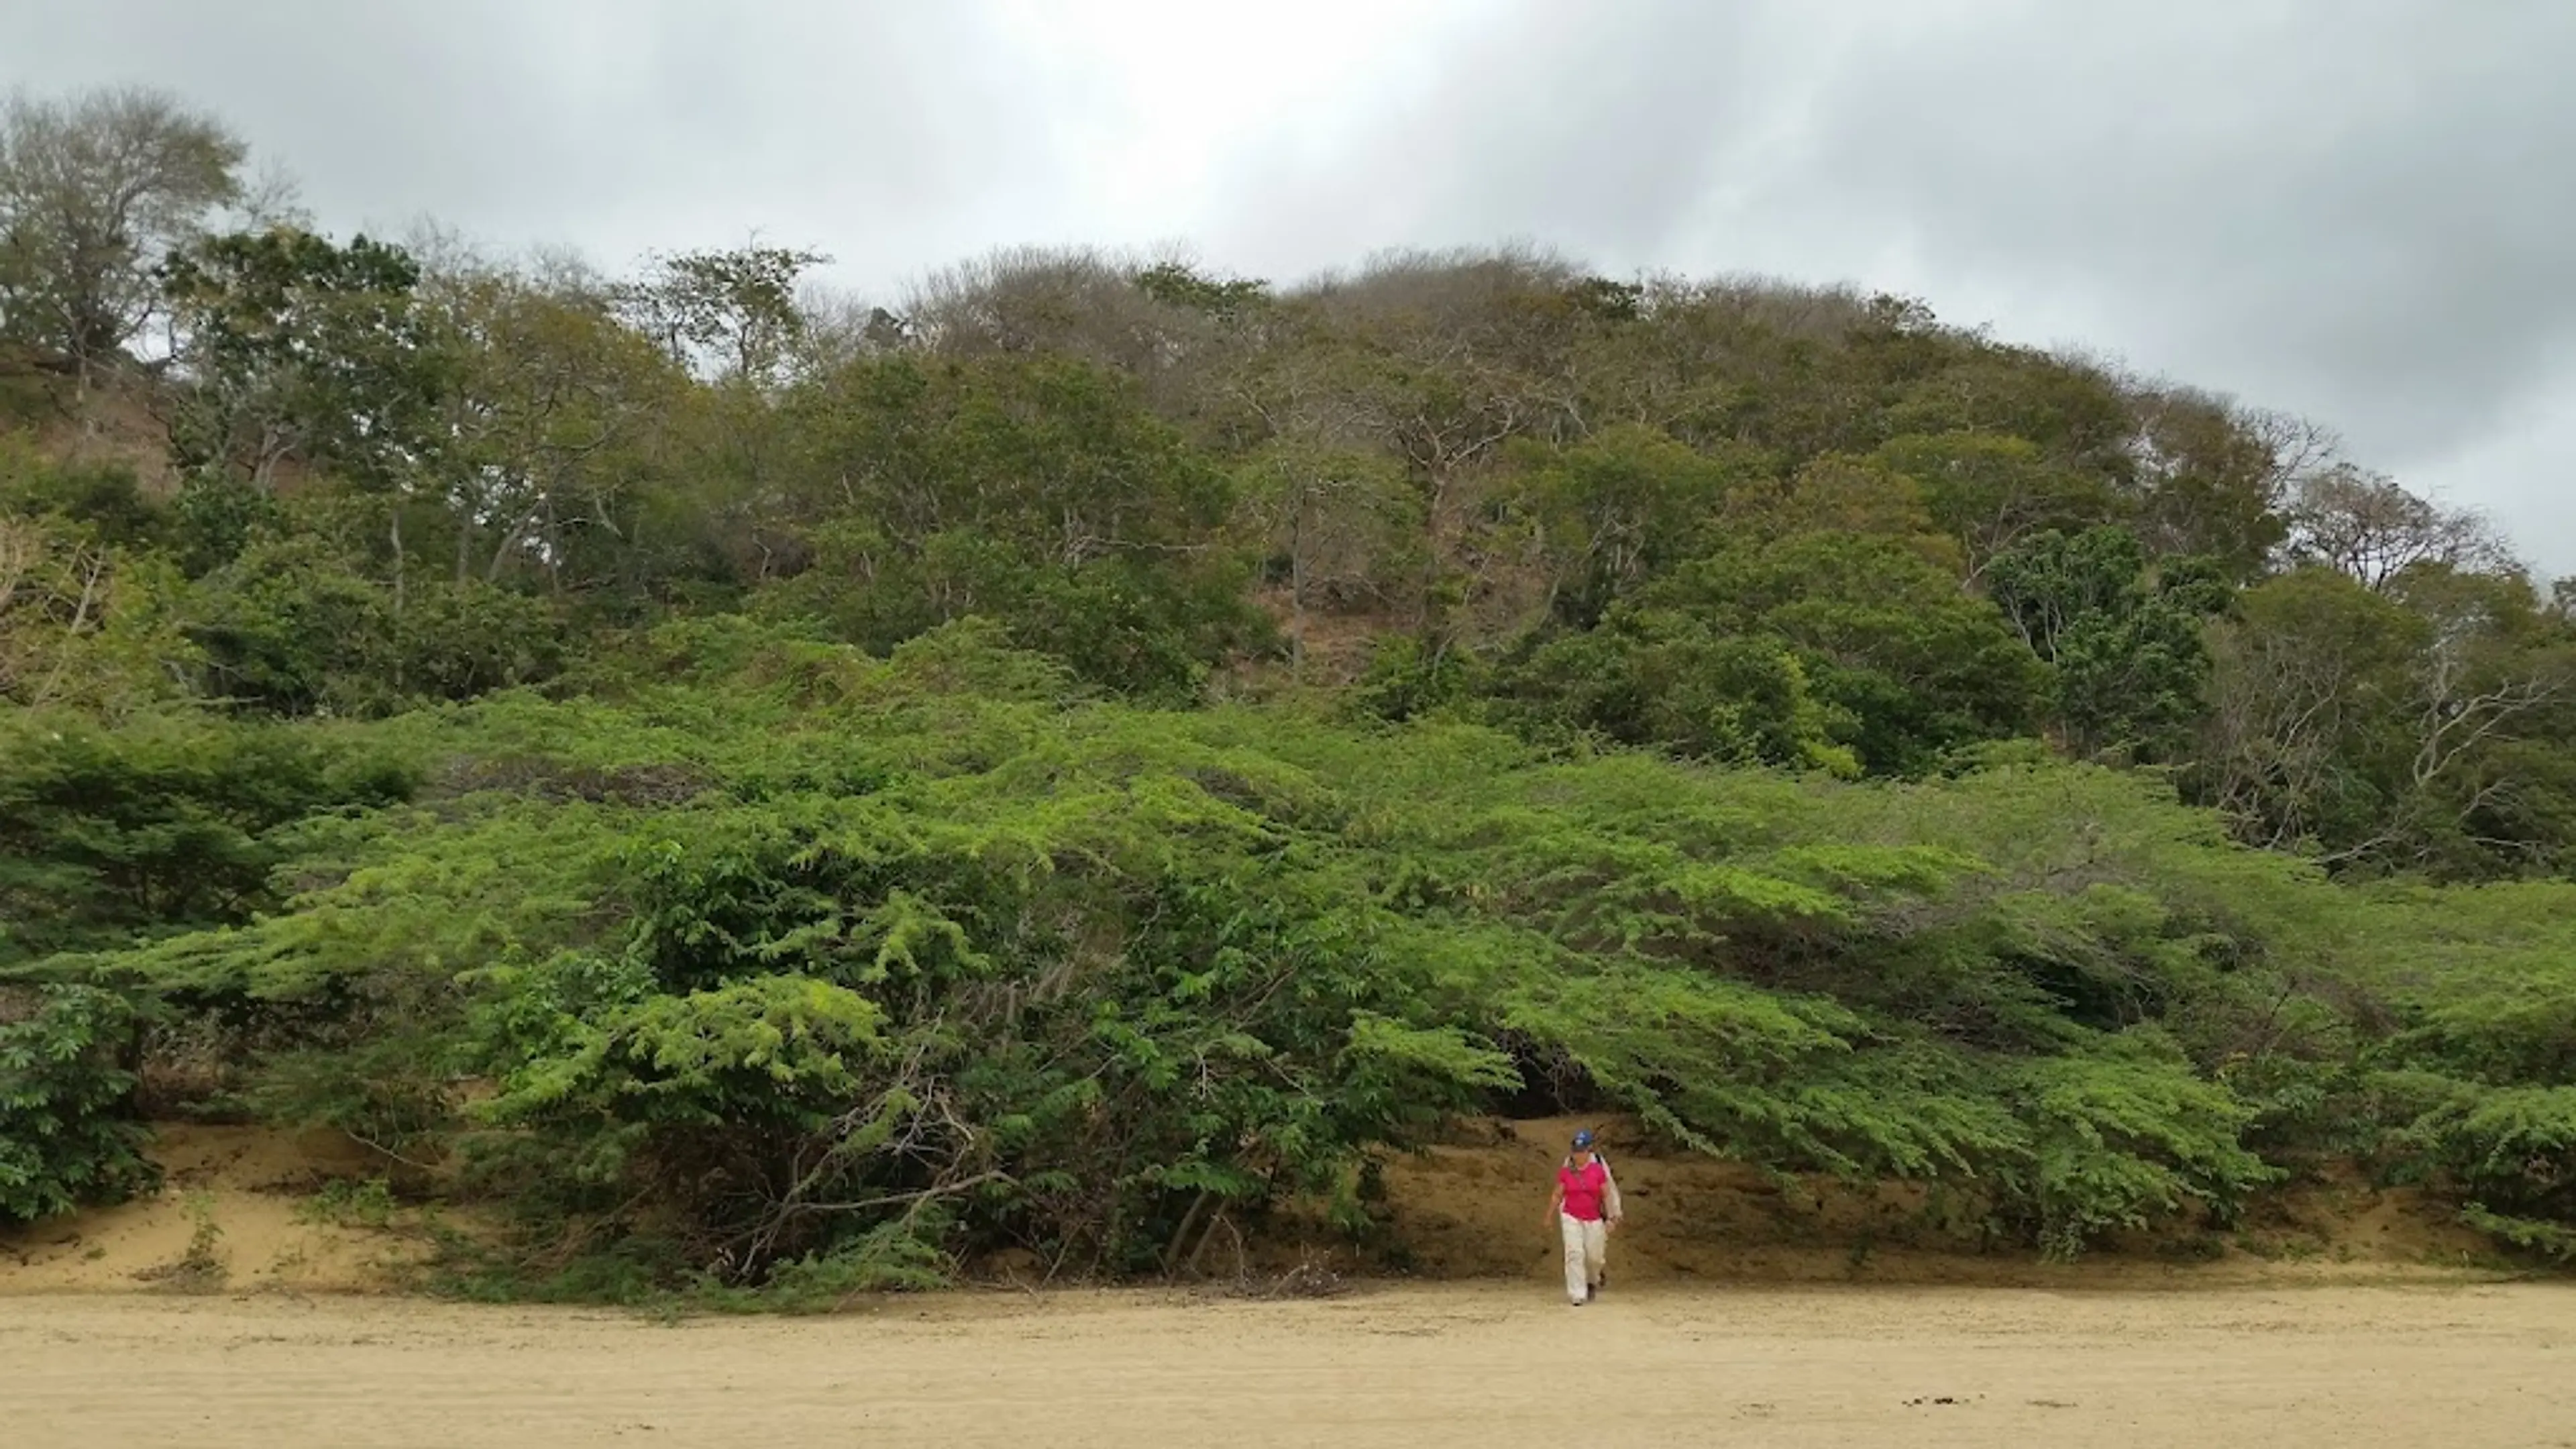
{"x":763,"y":786}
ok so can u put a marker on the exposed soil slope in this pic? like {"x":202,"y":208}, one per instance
{"x":239,"y":1212}
{"x":1478,"y":1210}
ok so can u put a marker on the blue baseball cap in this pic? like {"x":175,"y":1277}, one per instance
{"x":1582,"y":1140}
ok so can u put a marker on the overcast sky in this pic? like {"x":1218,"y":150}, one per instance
{"x":2358,"y":210}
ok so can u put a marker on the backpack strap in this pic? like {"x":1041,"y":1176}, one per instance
{"x":1609,"y":1182}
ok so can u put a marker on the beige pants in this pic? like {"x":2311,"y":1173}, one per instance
{"x":1587,"y":1251}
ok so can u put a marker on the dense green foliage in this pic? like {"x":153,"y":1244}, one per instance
{"x":67,"y":1136}
{"x":781,"y":792}
{"x":764,"y":953}
{"x":163,"y":826}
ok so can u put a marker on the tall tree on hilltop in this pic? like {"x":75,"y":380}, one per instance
{"x":550,"y":425}
{"x":731,"y":315}
{"x":292,"y":349}
{"x":94,"y":193}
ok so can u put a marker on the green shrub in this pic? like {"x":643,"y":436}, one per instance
{"x":164,"y":824}
{"x":786,"y":957}
{"x":67,"y":1136}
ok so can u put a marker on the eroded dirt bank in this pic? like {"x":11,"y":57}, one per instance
{"x":1485,"y":1365}
{"x":246,"y":1209}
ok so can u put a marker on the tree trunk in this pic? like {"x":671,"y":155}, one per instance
{"x":396,"y":539}
{"x":1297,"y":599}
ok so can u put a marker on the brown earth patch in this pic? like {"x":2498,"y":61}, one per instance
{"x":245,"y":1208}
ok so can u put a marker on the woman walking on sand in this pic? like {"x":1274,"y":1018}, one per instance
{"x":1584,"y":1208}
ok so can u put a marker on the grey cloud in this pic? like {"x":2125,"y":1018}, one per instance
{"x":616,"y":125}
{"x":2363,"y":208}
{"x":1595,"y":128}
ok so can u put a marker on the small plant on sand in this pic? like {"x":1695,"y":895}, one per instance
{"x":1313,"y":1277}
{"x":204,"y":1259}
{"x":201,"y":1268}
{"x":894,"y":1258}
{"x":350,"y":1203}
{"x":2193,"y":1248}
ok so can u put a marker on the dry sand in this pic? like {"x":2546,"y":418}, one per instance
{"x":1487,"y":1366}
{"x":1738,"y":1315}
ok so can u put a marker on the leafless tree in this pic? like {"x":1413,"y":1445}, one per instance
{"x":19,"y":546}
{"x":2371,"y":722}
{"x":1343,"y":518}
{"x":52,"y":594}
{"x":841,"y":327}
{"x":1077,"y":301}
{"x":2299,"y":448}
{"x":2367,"y":526}
{"x":2209,"y":476}
{"x":2282,"y":703}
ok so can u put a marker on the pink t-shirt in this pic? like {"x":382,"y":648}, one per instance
{"x":1583,"y":1189}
